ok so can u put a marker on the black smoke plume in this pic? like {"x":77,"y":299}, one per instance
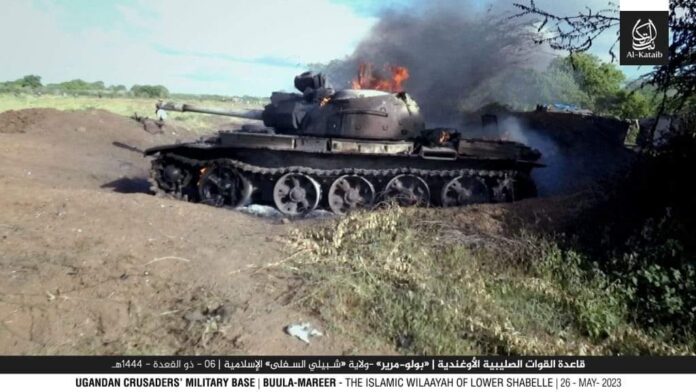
{"x":452,"y":52}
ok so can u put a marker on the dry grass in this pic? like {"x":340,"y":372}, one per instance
{"x":400,"y":277}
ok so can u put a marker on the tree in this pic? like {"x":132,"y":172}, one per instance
{"x":595,"y":77}
{"x":524,"y":88}
{"x":30,"y":81}
{"x":149,"y":91}
{"x":581,"y":79}
{"x":675,"y":81}
{"x":79,"y":85}
{"x":603,"y":83}
{"x":632,"y":104}
{"x":27,"y":82}
{"x":118,"y":88}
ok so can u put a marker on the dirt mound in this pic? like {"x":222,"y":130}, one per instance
{"x":85,"y":268}
{"x":84,"y":149}
{"x":13,"y":121}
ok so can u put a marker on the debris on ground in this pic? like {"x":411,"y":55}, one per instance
{"x":302,"y":331}
{"x":149,"y":125}
{"x":272,"y":213}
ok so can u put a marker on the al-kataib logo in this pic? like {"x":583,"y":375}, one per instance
{"x":643,"y":38}
{"x":644,"y":35}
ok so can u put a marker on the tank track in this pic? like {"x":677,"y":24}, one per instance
{"x":260,"y":176}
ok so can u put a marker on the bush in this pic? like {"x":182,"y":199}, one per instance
{"x":149,"y":91}
{"x":77,"y":85}
{"x":28,"y":82}
{"x":649,"y":221}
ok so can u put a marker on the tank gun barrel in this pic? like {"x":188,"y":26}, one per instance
{"x":252,"y":114}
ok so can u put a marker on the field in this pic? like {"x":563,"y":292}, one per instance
{"x":125,"y":106}
{"x":93,"y":263}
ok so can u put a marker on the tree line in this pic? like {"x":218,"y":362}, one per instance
{"x":583,"y":79}
{"x":33,"y":84}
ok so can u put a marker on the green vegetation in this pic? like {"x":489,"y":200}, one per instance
{"x":523,"y":89}
{"x":580,"y":79}
{"x":126,"y":106}
{"x":648,"y":222}
{"x":31,"y":84}
{"x":414,"y":280}
{"x":604,"y":85}
{"x":148,"y":91}
{"x":78,"y":85}
{"x":28,"y":92}
{"x":27,"y":82}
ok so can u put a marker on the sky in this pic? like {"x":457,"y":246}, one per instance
{"x":229,"y":47}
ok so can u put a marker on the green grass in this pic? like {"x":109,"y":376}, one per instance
{"x":395,"y":278}
{"x":125,"y":106}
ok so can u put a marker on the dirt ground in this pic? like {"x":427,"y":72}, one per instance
{"x":91,"y":263}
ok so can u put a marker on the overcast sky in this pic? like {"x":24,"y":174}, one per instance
{"x":230,"y":47}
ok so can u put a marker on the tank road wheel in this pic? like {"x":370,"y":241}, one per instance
{"x":503,"y":190}
{"x":408,"y":190}
{"x":350,"y":192}
{"x":172,"y":179}
{"x":463,"y":190}
{"x":296,"y":194}
{"x":220,"y":186}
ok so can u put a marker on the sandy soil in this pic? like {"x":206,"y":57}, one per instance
{"x":91,"y":263}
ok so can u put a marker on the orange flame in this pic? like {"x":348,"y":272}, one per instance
{"x":367,"y":79}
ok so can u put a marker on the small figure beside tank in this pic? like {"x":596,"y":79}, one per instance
{"x":340,"y":150}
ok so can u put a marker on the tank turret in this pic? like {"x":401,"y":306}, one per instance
{"x":320,"y":111}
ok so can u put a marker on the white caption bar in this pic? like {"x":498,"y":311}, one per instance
{"x":362,"y":382}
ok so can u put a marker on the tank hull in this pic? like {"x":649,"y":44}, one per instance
{"x":298,"y":174}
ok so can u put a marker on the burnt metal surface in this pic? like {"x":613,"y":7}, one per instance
{"x":341,"y":151}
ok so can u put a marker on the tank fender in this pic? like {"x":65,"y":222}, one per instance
{"x":165,"y":148}
{"x":177,"y":148}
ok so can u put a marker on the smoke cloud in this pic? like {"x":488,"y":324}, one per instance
{"x":451,"y":49}
{"x":461,"y":56}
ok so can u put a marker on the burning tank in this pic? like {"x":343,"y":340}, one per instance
{"x":340,"y":150}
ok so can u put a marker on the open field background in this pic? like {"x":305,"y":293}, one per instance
{"x":128,"y":106}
